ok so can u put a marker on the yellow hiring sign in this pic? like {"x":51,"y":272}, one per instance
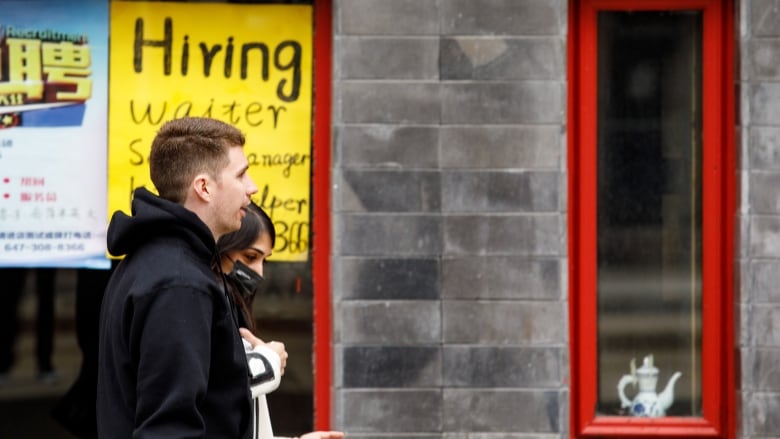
{"x":248,"y":65}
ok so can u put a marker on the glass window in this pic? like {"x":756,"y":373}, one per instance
{"x":649,"y":215}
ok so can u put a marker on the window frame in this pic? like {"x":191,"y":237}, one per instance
{"x":321,"y":221}
{"x":718,"y":224}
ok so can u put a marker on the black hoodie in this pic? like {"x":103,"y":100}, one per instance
{"x":171,"y":361}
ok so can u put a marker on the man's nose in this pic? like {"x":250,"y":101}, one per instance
{"x":252,"y":187}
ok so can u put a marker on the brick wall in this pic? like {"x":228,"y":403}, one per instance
{"x":759,"y":245}
{"x":449,"y":258}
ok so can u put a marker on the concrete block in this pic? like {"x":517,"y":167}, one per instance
{"x":501,"y":277}
{"x":388,"y":58}
{"x":365,"y":190}
{"x":765,"y":371}
{"x":409,"y":435}
{"x":765,"y":236}
{"x":501,"y":410}
{"x":519,"y":323}
{"x":530,"y":102}
{"x":502,"y":147}
{"x":746,"y":325}
{"x":497,"y":58}
{"x":391,"y":411}
{"x":766,"y":320}
{"x":387,"y":17}
{"x":500,"y":191}
{"x":764,"y":103}
{"x":391,"y":322}
{"x":764,"y":198}
{"x":747,"y":358}
{"x":760,"y":415}
{"x":764,"y":277}
{"x":388,"y":235}
{"x":502,"y":235}
{"x":502,"y":17}
{"x":387,"y":146}
{"x":764,"y":59}
{"x":743,"y":245}
{"x":764,"y":148}
{"x":764,"y":17}
{"x":373,"y":279}
{"x":485,"y":366}
{"x":391,"y":366}
{"x":390,"y":102}
{"x":564,"y":403}
{"x":501,"y":435}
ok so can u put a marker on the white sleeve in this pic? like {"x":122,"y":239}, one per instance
{"x":264,"y":369}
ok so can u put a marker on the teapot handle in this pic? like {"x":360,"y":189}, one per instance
{"x":625,"y":380}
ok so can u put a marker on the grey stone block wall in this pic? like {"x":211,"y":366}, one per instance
{"x":759,"y":244}
{"x":449,"y":197}
{"x":449,"y":227}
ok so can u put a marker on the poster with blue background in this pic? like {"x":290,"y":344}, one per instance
{"x":53,"y":133}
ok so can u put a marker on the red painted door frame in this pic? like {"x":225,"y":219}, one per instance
{"x":719,"y":201}
{"x":323,"y":34}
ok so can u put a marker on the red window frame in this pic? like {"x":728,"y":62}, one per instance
{"x":719,"y":169}
{"x":323,"y":34}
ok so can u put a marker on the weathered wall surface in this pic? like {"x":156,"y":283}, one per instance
{"x":449,"y":199}
{"x":759,"y":240}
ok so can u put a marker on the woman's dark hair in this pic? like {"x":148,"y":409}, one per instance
{"x":255,"y":223}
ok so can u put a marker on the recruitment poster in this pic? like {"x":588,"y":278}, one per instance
{"x":53,"y":116}
{"x":246,"y":64}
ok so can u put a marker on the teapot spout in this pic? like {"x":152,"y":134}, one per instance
{"x":666,"y":397}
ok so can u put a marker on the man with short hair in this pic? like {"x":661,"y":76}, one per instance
{"x":171,"y":360}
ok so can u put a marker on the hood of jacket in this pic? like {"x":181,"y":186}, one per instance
{"x":153,"y":217}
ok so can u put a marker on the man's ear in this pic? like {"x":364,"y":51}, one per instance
{"x":200,"y":185}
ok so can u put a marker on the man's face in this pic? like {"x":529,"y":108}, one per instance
{"x":234,"y":189}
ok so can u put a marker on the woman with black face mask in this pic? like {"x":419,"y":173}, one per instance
{"x":242,"y":254}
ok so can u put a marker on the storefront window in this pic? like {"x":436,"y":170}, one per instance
{"x":253,"y":63}
{"x":651,"y":218}
{"x":649,"y":206}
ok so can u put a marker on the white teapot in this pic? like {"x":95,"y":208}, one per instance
{"x":647,"y":403}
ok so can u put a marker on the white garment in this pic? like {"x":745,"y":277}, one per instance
{"x":265,"y":370}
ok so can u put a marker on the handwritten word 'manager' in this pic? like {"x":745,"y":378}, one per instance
{"x":286,"y":161}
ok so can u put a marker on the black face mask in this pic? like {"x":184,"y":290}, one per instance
{"x":245,"y":280}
